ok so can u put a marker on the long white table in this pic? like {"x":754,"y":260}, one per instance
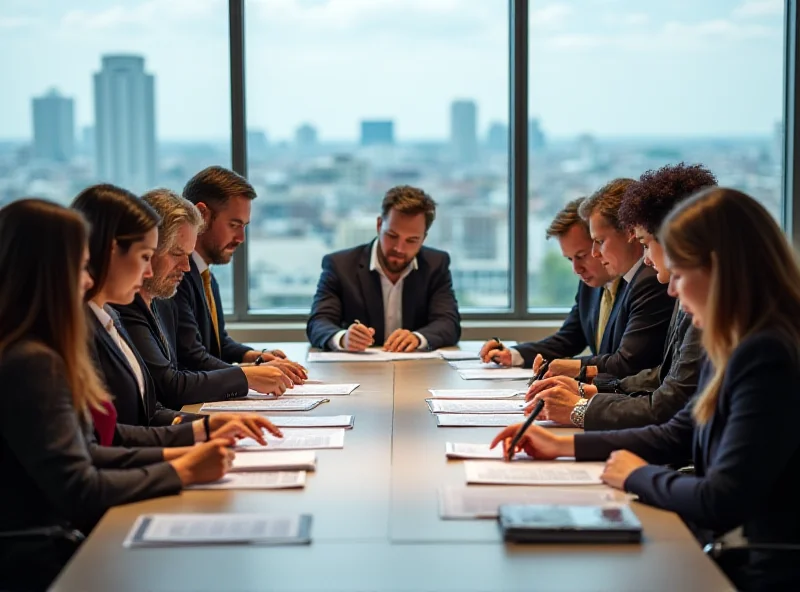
{"x":375,"y":518}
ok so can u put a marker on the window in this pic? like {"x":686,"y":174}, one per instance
{"x":617,"y":88}
{"x":347,"y":99}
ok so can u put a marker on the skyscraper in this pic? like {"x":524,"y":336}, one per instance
{"x":463,"y":131}
{"x":497,"y":137}
{"x":53,"y":127}
{"x":125,"y":123}
{"x":305,"y":136}
{"x":377,"y":132}
{"x":536,"y":139}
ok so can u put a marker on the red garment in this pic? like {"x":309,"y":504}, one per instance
{"x":105,"y":423}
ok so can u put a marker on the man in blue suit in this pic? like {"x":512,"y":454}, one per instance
{"x":393,"y":291}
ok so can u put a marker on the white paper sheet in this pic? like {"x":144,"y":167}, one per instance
{"x":496,"y":374}
{"x":498,"y":406}
{"x":256,"y":480}
{"x":309,"y":390}
{"x":312,"y":421}
{"x":474,"y":364}
{"x":533,"y":473}
{"x":478,"y":451}
{"x":371,"y":355}
{"x":475,"y":393}
{"x":470,"y":502}
{"x":292,"y":404}
{"x":158,"y":530}
{"x":267,"y":459}
{"x":477,"y":420}
{"x":297,"y":439}
{"x":457,"y":354}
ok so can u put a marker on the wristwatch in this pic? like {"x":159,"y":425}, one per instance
{"x":578,"y":412}
{"x":581,"y":392}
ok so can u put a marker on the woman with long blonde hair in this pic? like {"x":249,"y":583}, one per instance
{"x":735,"y":272}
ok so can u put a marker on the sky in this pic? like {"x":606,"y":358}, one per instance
{"x":607,"y":67}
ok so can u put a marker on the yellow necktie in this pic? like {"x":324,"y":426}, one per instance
{"x":212,"y":304}
{"x":606,"y":304}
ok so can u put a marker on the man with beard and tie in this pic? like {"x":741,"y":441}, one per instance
{"x":392,"y":292}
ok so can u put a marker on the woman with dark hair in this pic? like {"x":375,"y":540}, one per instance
{"x":736,"y":274}
{"x":54,"y":479}
{"x":123,"y":240}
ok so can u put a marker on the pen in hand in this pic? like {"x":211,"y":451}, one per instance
{"x":537,"y":409}
{"x":500,"y":347}
{"x":540,"y":374}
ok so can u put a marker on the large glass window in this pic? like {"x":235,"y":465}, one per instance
{"x":616,"y":88}
{"x":346,"y":99}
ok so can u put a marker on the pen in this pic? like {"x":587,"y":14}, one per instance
{"x":540,"y":374}
{"x":528,"y":422}
{"x":500,"y":347}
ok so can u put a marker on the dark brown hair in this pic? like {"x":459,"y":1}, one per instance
{"x":215,"y":185}
{"x":41,"y":248}
{"x":566,"y":219}
{"x":115,"y":214}
{"x":410,"y":201}
{"x":606,"y":201}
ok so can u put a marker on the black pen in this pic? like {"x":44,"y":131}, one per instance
{"x":500,"y":347}
{"x":540,"y":374}
{"x":528,"y":422}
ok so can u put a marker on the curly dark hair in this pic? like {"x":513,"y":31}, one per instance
{"x":647,"y":201}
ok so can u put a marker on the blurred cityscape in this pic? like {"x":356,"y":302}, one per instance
{"x":318,"y":195}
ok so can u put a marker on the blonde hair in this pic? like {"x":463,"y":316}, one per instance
{"x":42,"y":246}
{"x":754,"y":275}
{"x":174,"y":211}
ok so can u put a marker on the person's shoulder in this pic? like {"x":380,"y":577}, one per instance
{"x":347,"y":256}
{"x":30,"y":355}
{"x":770,"y":343}
{"x":433,"y":256}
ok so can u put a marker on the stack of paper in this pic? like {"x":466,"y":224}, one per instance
{"x":269,"y":460}
{"x":475,"y":393}
{"x":293,"y":404}
{"x":313,"y":421}
{"x":246,"y":480}
{"x":459,"y":503}
{"x":474,"y":364}
{"x":500,"y":406}
{"x":485,"y":420}
{"x":309,"y":390}
{"x":496,"y":373}
{"x":167,"y":530}
{"x":534,"y":473}
{"x":457,"y":354}
{"x":297,"y":439}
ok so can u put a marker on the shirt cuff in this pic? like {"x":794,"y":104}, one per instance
{"x":335,"y":342}
{"x":516,"y":357}
{"x":423,"y":343}
{"x":199,"y":431}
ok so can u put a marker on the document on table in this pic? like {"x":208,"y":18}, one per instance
{"x":478,"y":451}
{"x":475,"y":393}
{"x":477,"y":420}
{"x":496,"y":374}
{"x":257,"y":480}
{"x":533,"y":473}
{"x":167,"y":530}
{"x":297,"y":439}
{"x":293,"y":404}
{"x":267,"y":459}
{"x":313,"y":421}
{"x":462,"y":364}
{"x":465,"y":502}
{"x":371,"y":355}
{"x":309,"y":390}
{"x":457,"y":354}
{"x":501,"y":406}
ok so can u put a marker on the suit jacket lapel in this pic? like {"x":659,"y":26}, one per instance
{"x":208,"y":330}
{"x":597,"y":295}
{"x":372,"y":295}
{"x":411,"y":297}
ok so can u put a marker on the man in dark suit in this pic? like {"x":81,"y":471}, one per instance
{"x":391,"y":292}
{"x":224,"y":199}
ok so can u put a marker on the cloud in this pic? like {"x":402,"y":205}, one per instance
{"x":16,"y":22}
{"x":759,"y":8}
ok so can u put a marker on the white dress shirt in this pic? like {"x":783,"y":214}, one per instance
{"x":105,"y":319}
{"x":392,"y":301}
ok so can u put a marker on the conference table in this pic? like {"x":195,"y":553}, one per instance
{"x":376,"y":523}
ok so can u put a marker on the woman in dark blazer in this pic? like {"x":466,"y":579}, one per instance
{"x":54,"y":479}
{"x":735,"y":272}
{"x":123,"y":240}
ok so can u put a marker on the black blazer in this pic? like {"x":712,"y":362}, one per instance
{"x":156,"y":342}
{"x":194,"y":322}
{"x":133,"y":410}
{"x":50,"y":473}
{"x":348,"y":290}
{"x":746,"y":458}
{"x":652,"y":396}
{"x":634,"y":336}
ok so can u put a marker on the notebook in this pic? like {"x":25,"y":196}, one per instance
{"x":537,"y":523}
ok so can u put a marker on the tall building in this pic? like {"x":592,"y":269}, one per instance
{"x":257,"y":144}
{"x":377,"y":132}
{"x":497,"y":137}
{"x":464,"y":131}
{"x":536,"y":139}
{"x":54,"y":127}
{"x":305,"y":136}
{"x":125,"y":123}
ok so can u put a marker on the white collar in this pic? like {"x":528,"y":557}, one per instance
{"x":101,"y":314}
{"x":198,"y":260}
{"x":375,"y":264}
{"x":632,"y":271}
